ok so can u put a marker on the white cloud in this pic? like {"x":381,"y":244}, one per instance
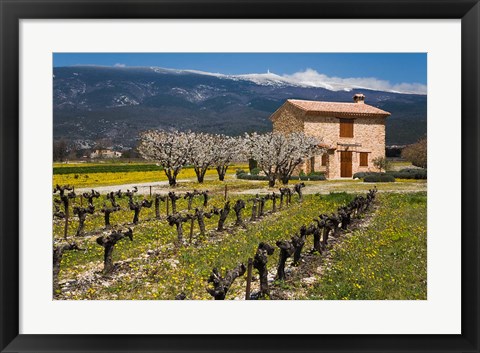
{"x":119,"y":65}
{"x":312,"y":78}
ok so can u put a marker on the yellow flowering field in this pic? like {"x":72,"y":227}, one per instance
{"x":101,"y":179}
{"x":180,"y":269}
{"x":386,"y":260}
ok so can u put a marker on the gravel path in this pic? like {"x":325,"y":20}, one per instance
{"x":314,"y":188}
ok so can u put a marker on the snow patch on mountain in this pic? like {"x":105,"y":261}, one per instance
{"x":312,"y":78}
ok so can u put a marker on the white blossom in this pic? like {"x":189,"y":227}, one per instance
{"x":279,"y":154}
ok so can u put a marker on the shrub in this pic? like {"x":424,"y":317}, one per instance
{"x":381,"y":163}
{"x":240,"y":171}
{"x":313,"y":177}
{"x":361,"y":175}
{"x":410,"y":173}
{"x":417,"y":153}
{"x":379,"y":178}
{"x":246,"y":176}
{"x":255,"y":171}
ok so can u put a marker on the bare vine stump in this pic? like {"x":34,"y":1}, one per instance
{"x":249,"y":279}
{"x":285,"y":194}
{"x":177,"y":220}
{"x":298,"y":189}
{"x":131,"y":193}
{"x":286,"y":250}
{"x":298,"y":241}
{"x":323,"y":224}
{"x":254,"y":208}
{"x":190,"y":196}
{"x":333,"y":222}
{"x":238,"y":207}
{"x":111,"y":197}
{"x":200,"y":217}
{"x":261,"y":207}
{"x":57,"y":213}
{"x":205,"y":198}
{"x":82,"y":212}
{"x":289,"y":196}
{"x":273,"y":196}
{"x":158,"y":198}
{"x":181,"y":296}
{"x":282,"y":196}
{"x":221,"y":285}
{"x":65,"y":199}
{"x":136,"y":208}
{"x":345,"y":216}
{"x":316,"y":240}
{"x":109,"y":242}
{"x":192,"y":222}
{"x":260,"y":264}
{"x":107,"y":211}
{"x":173,"y":198}
{"x":223,"y":213}
{"x":57,"y":260}
{"x":90,"y":196}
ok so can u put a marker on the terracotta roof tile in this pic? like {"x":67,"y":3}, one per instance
{"x":338,"y":109}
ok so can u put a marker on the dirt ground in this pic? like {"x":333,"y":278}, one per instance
{"x":260,"y":187}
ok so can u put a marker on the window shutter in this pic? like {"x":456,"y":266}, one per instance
{"x":324,"y":159}
{"x":363,"y":159}
{"x":346,"y":127}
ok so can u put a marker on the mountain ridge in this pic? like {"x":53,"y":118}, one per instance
{"x":116,"y":103}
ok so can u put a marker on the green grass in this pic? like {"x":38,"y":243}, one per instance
{"x":387,"y":260}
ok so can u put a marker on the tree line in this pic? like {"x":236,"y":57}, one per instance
{"x":277,"y":154}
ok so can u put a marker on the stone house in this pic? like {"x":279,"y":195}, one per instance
{"x":352,"y":133}
{"x":105,"y":153}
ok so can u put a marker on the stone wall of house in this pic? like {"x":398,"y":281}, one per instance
{"x":368,"y":134}
{"x":288,"y":119}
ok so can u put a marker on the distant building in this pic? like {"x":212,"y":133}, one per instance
{"x":105,"y":153}
{"x":353,"y":133}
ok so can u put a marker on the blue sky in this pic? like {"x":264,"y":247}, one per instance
{"x":396,"y":68}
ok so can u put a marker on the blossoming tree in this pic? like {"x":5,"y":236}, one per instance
{"x":170,"y":149}
{"x":278,"y":154}
{"x":226,"y":150}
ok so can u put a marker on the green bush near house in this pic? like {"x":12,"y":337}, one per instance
{"x":379,"y":178}
{"x":255,"y":171}
{"x":315,"y":176}
{"x":410,"y":173}
{"x":407,"y":173}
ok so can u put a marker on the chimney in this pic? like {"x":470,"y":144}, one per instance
{"x":359,"y":98}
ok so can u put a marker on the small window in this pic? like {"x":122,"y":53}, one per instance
{"x":324,"y":159}
{"x":363,"y":159}
{"x":346,"y":127}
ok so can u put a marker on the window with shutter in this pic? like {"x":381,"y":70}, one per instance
{"x":324,"y":159}
{"x":363,"y":159}
{"x":346,"y":127}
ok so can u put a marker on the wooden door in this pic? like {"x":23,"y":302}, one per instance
{"x":346,"y":164}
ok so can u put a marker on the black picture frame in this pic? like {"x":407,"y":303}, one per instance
{"x":12,"y":11}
